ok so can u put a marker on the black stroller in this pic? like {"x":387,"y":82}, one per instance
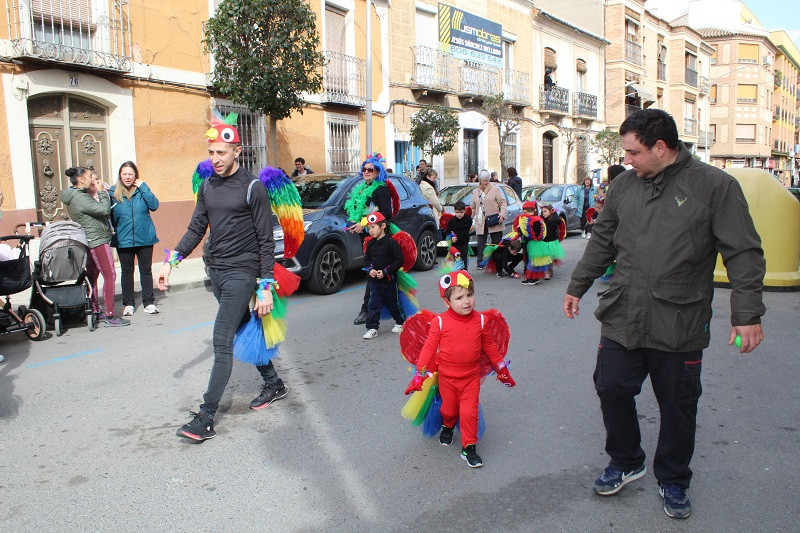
{"x":15,"y":276}
{"x":60,"y":288}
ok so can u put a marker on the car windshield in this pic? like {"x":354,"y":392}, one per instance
{"x":551,"y":194}
{"x":450,"y":195}
{"x":315,"y":190}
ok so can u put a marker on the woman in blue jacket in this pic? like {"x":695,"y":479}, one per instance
{"x":132,"y":201}
{"x":584,"y":199}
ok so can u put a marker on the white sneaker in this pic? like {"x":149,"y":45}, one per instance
{"x":371,"y":334}
{"x":398,"y":328}
{"x":151,"y":309}
{"x":128,"y":311}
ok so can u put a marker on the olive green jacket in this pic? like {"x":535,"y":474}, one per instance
{"x":89,"y":213}
{"x":665,"y":234}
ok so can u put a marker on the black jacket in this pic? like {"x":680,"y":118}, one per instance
{"x":460,"y":226}
{"x":382,"y":199}
{"x":237,"y":212}
{"x":516,"y":184}
{"x":384,"y":254}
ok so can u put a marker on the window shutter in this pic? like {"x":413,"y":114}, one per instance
{"x":550,"y":58}
{"x":77,"y":12}
{"x":334,"y":31}
{"x":580,"y":66}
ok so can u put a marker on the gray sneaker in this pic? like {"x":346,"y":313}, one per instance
{"x":116,"y":322}
{"x":612,"y":480}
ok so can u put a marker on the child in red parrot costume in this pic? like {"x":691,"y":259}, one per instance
{"x":456,"y":347}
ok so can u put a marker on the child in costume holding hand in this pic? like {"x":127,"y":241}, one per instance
{"x":454,"y":346}
{"x":383,"y":257}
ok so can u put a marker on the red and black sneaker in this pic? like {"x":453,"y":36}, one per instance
{"x":199,"y":429}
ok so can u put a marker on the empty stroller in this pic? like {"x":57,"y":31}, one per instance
{"x":60,"y":289}
{"x":15,"y":276}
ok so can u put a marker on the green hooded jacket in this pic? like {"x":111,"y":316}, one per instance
{"x":89,"y":213}
{"x":665,"y":234}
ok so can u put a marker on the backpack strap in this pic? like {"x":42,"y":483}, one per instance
{"x":250,"y":189}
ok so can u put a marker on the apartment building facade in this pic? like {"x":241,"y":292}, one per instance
{"x":785,"y":162}
{"x":742,"y":92}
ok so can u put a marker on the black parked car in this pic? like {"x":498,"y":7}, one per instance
{"x":329,"y":249}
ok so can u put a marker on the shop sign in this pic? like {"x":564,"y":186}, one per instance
{"x":470,"y":37}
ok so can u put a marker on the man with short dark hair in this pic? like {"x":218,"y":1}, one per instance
{"x":240,"y":258}
{"x":422,"y":168}
{"x":664,"y":221}
{"x":300,"y":168}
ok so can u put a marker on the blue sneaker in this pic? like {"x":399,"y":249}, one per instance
{"x":612,"y":480}
{"x":676,"y":503}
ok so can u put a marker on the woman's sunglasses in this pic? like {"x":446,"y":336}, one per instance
{"x":368,"y":169}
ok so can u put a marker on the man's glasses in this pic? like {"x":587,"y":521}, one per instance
{"x":368,"y":169}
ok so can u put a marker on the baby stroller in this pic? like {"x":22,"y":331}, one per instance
{"x":15,"y":276}
{"x":60,"y":288}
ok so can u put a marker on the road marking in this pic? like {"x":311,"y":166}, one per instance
{"x":65,"y":358}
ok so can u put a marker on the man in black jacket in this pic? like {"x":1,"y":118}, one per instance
{"x":240,"y":257}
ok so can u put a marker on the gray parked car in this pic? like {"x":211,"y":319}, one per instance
{"x":562,"y":198}
{"x":453,"y":193}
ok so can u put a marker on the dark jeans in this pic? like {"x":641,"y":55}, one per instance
{"x":463,"y":249}
{"x":494,"y":238}
{"x":144,"y":256}
{"x":675,"y":377}
{"x":232,"y":289}
{"x":583,"y":221}
{"x":383,"y":293}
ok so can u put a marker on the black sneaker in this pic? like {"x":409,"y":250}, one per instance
{"x":676,"y":503}
{"x":471,"y":456}
{"x":199,"y":429}
{"x":612,"y":480}
{"x":446,"y":436}
{"x":361,"y":318}
{"x":269,"y":393}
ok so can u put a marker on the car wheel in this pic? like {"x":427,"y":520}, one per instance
{"x":426,"y":251}
{"x":327,"y":272}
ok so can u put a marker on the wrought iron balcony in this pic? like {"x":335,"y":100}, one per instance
{"x":691,"y":77}
{"x":584,"y":105}
{"x":633,"y":52}
{"x":344,"y":79}
{"x":690,"y":126}
{"x":705,"y":138}
{"x":478,"y":80}
{"x":662,"y":71}
{"x":631,"y":109}
{"x":433,"y":70}
{"x":704,"y":86}
{"x":75,"y":32}
{"x":516,"y":87}
{"x":554,"y":98}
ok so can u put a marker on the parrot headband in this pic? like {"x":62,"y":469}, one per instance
{"x":373,"y":218}
{"x":223,"y":129}
{"x":456,"y":278}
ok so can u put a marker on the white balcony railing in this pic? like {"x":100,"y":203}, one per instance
{"x":433,"y":69}
{"x":344,"y":79}
{"x":516,"y":87}
{"x":78,"y":32}
{"x":478,"y":80}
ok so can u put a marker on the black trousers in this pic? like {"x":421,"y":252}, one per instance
{"x":144,"y":255}
{"x":232,"y":289}
{"x":383,"y":293}
{"x":505,"y":261}
{"x":675,"y":377}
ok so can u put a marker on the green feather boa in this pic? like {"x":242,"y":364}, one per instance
{"x":356,"y":204}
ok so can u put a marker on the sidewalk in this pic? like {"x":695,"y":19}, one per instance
{"x":189,"y":274}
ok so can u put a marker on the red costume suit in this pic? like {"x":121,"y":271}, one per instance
{"x":459,"y":339}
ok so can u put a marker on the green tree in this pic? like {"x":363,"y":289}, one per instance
{"x":608,"y":143}
{"x":265,"y":55}
{"x":505,"y":120}
{"x":435,"y":129}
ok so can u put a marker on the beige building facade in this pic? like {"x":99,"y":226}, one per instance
{"x":785,"y":162}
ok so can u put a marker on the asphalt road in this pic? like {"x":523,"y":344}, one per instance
{"x":88,"y":420}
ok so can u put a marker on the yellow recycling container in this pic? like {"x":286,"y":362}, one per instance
{"x":776,"y":214}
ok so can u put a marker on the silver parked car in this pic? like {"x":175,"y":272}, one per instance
{"x":560,"y":196}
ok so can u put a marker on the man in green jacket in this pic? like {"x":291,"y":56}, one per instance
{"x":664,"y":221}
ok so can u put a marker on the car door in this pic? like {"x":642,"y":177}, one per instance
{"x":568,"y":203}
{"x":514,"y":207}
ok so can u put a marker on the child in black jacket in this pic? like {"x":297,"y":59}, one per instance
{"x":383,"y":257}
{"x":460,"y":225}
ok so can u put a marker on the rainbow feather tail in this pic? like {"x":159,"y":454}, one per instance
{"x":417,"y":406}
{"x":204,"y":170}
{"x":406,"y":295}
{"x":286,"y":205}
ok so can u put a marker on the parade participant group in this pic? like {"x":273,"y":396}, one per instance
{"x":654,"y":315}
